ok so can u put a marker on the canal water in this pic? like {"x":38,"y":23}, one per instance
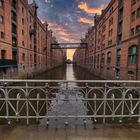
{"x":65,"y":108}
{"x":67,"y":72}
{"x":40,"y":132}
{"x":65,"y":101}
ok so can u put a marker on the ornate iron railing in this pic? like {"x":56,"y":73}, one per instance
{"x":100,"y":101}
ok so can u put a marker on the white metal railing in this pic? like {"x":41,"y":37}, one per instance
{"x":103,"y":101}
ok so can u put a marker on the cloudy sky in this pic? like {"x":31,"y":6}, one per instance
{"x":69,"y":19}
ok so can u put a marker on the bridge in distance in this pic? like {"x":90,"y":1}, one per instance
{"x":69,"y":45}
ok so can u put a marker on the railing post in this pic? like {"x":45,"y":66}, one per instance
{"x":131,"y":104}
{"x":47,"y":107}
{"x":56,"y":119}
{"x":37,"y":107}
{"x":17,"y":106}
{"x":66,"y":123}
{"x":7,"y":100}
{"x":76,"y":113}
{"x":104,"y":101}
{"x":27,"y":104}
{"x":86,"y":99}
{"x":113,"y":106}
{"x":139,"y":108}
{"x":95,"y":107}
{"x":123,"y":103}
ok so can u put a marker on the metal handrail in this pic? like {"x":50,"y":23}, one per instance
{"x":71,"y":81}
{"x":41,"y":99}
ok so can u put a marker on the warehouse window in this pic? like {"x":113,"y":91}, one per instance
{"x":118,"y":57}
{"x":133,"y":1}
{"x":137,"y":29}
{"x":1,"y":3}
{"x":1,"y":19}
{"x":132,"y":54}
{"x":111,"y":21}
{"x":132,"y":31}
{"x":108,"y":57}
{"x":3,"y":54}
{"x":138,"y":12}
{"x":133,"y":16}
{"x":23,"y":57}
{"x":98,"y":58}
{"x":2,"y":35}
{"x":103,"y":58}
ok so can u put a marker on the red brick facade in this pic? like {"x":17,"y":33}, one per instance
{"x":25,"y":42}
{"x":114,"y":42}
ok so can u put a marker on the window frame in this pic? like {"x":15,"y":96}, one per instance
{"x":1,"y":3}
{"x":103,"y":58}
{"x":138,"y":13}
{"x":109,"y":57}
{"x":132,"y":57}
{"x":1,"y":19}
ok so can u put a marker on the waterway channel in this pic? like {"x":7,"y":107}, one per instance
{"x":62,"y":102}
{"x":67,"y":72}
{"x":39,"y":132}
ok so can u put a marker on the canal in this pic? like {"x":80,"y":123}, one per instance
{"x":39,"y":132}
{"x":65,"y":108}
{"x":67,"y":72}
{"x":61,"y":103}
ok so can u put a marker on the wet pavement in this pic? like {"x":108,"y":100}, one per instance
{"x":41,"y":133}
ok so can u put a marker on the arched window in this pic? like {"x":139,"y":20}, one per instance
{"x":132,"y":54}
{"x":108,"y":57}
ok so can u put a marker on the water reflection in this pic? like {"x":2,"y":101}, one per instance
{"x":82,"y":74}
{"x":67,"y":104}
{"x":58,"y":73}
{"x":70,"y":74}
{"x":68,"y":101}
{"x":67,"y":72}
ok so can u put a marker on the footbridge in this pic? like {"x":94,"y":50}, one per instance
{"x":68,"y":45}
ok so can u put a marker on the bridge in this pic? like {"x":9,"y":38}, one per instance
{"x":69,"y":45}
{"x":83,"y":102}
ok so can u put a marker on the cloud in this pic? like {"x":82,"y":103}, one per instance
{"x":48,"y":1}
{"x":67,"y":39}
{"x":69,"y":19}
{"x":62,"y":33}
{"x":89,"y":9}
{"x":86,"y":20}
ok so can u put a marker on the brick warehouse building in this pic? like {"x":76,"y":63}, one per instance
{"x":114,"y":42}
{"x":25,"y":41}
